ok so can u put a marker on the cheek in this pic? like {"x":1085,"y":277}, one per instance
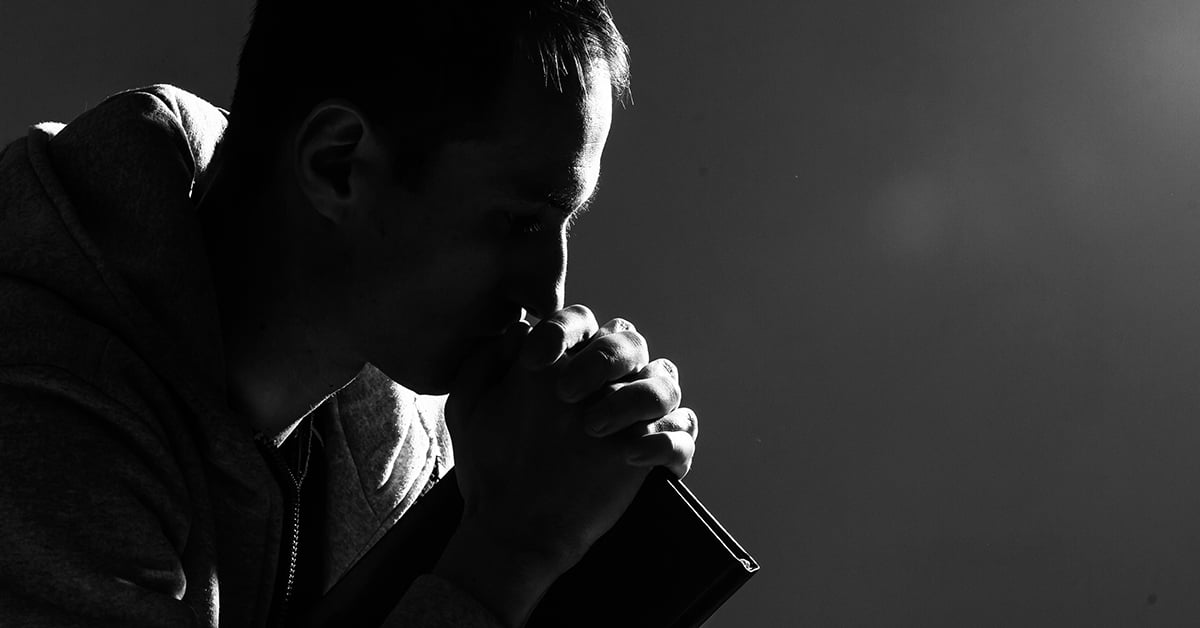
{"x":466,"y":273}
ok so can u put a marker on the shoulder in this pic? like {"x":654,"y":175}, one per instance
{"x":189,"y":118}
{"x":158,"y":130}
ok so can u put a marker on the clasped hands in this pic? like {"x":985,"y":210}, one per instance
{"x":555,"y":427}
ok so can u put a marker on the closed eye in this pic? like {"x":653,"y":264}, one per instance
{"x":523,"y":223}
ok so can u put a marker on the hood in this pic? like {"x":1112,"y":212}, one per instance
{"x":99,"y":215}
{"x":100,"y":238}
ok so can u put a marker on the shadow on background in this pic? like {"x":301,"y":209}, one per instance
{"x":930,"y":270}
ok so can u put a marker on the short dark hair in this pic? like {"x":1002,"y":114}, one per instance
{"x":437,"y":66}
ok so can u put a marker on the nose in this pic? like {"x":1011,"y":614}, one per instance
{"x":540,"y":282}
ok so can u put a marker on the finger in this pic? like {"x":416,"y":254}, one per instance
{"x":614,"y":326}
{"x":603,"y":360}
{"x":553,"y":336}
{"x":673,"y":450}
{"x":482,"y":369}
{"x":656,"y":393}
{"x":681,"y":420}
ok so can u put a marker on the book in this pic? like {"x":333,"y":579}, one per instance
{"x":666,"y":563}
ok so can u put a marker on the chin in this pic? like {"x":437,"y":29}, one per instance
{"x":425,"y":377}
{"x":424,"y":383}
{"x":432,"y":369}
{"x":430,"y":388}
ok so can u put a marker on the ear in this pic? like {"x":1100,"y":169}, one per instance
{"x":332,"y":146}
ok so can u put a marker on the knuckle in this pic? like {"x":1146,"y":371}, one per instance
{"x":637,"y":342}
{"x":598,"y":363}
{"x":645,"y":397}
{"x":620,"y":325}
{"x":581,"y":311}
{"x":669,"y":393}
{"x":614,"y":350}
{"x":670,"y":422}
{"x":669,"y":367}
{"x":684,"y":445}
{"x":606,"y":354}
{"x":681,"y":423}
{"x":634,"y":343}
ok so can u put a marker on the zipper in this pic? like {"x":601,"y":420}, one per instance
{"x":291,"y":542}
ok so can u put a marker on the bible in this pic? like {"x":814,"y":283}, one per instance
{"x":667,"y":559}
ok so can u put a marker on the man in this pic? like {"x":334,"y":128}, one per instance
{"x":196,"y":323}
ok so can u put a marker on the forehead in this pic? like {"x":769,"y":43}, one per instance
{"x":543,"y":142}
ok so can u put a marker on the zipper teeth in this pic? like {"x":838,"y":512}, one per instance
{"x":293,"y":556}
{"x":276,"y":457}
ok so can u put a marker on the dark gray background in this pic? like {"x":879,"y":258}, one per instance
{"x":929,"y":269}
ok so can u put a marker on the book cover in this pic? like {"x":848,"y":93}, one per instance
{"x":667,"y":563}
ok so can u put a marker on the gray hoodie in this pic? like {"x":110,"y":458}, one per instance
{"x":130,"y":495}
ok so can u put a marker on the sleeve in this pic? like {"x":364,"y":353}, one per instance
{"x":383,"y":449}
{"x":385,"y":446}
{"x":90,"y":523}
{"x":433,"y":602}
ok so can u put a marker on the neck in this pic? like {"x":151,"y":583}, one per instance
{"x":281,"y":359}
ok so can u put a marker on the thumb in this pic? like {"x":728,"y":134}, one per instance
{"x":481,"y":370}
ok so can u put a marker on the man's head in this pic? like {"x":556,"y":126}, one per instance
{"x":427,"y":70}
{"x":429,"y":165}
